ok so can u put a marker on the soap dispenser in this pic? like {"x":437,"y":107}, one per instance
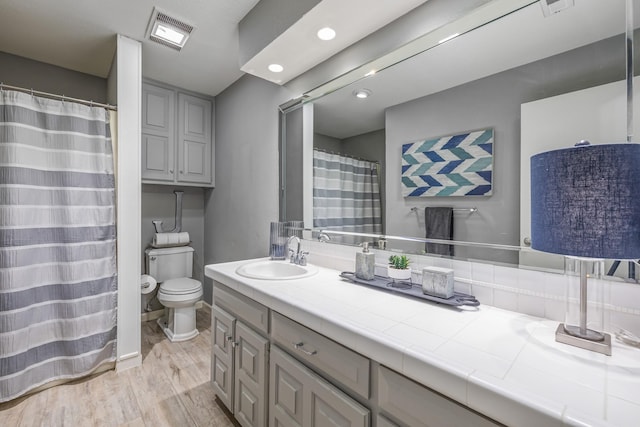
{"x":365,"y":263}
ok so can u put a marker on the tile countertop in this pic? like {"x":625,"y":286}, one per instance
{"x":503,"y":364}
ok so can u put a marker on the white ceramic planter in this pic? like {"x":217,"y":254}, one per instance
{"x":398,"y":274}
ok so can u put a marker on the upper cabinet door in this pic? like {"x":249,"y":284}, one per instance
{"x":194,"y":139}
{"x":158,"y":133}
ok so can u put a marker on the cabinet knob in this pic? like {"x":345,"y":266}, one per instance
{"x":170,"y":170}
{"x":181,"y":171}
{"x":526,"y":241}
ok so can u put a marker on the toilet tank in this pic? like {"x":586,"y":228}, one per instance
{"x":169,"y":263}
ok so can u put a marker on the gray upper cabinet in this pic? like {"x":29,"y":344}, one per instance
{"x":158,"y":130}
{"x":194,"y":139}
{"x":177,"y":137}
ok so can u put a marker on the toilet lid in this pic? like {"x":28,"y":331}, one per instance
{"x":180,"y":286}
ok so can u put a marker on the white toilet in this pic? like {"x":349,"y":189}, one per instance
{"x":178,"y":293}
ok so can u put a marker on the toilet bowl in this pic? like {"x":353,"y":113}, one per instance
{"x":178,"y":292}
{"x":179,"y":297}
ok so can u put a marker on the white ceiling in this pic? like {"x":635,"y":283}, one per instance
{"x":80,"y":35}
{"x":298,"y":48}
{"x":520,"y":38}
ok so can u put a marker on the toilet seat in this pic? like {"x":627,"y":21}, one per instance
{"x":180,"y":286}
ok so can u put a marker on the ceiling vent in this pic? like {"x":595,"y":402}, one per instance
{"x":549,"y":7}
{"x":168,"y":31}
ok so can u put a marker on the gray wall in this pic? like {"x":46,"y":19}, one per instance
{"x":293,"y":203}
{"x":30,"y":74}
{"x":158,"y":202}
{"x":327,"y":143}
{"x":238,"y":210}
{"x":492,"y":102}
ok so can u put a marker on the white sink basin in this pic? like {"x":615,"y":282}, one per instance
{"x":276,"y":270}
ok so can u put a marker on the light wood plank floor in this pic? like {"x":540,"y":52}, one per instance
{"x":171,"y":388}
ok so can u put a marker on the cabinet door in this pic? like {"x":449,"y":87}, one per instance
{"x":286,"y":389}
{"x":194,"y":139}
{"x":158,"y":133}
{"x":330,"y":407}
{"x":299,"y":397}
{"x":250,"y":377}
{"x":222,"y":327}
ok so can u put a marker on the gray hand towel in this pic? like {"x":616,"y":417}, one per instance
{"x":439,"y":225}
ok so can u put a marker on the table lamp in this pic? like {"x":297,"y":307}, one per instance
{"x":585,"y":203}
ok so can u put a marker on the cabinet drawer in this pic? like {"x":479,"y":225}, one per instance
{"x":344,"y":366}
{"x":417,"y":406}
{"x":250,"y":311}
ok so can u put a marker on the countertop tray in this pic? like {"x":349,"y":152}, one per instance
{"x":411,"y":290}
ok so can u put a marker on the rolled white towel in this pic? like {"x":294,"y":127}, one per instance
{"x":166,"y":240}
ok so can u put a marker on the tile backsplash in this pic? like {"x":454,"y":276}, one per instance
{"x":536,"y":293}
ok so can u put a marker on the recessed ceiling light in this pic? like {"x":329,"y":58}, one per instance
{"x":326,"y":33}
{"x":168,"y":31}
{"x":275,"y":68}
{"x":362,"y":93}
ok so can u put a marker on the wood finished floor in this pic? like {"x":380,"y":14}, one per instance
{"x":171,"y":388}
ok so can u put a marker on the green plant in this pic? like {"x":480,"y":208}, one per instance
{"x":401,"y":262}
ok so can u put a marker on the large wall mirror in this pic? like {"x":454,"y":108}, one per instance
{"x":534,"y":81}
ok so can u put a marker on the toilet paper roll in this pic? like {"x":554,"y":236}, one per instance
{"x":147,"y":284}
{"x":166,"y":240}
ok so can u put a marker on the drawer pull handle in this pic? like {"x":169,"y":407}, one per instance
{"x":300,"y":346}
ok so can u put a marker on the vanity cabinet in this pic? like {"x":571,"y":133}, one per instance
{"x":177,"y":137}
{"x":240,"y":354}
{"x":299,"y":397}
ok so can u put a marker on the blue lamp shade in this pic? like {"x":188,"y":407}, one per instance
{"x":585,"y":201}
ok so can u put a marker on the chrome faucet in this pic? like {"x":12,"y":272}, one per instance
{"x":298,"y":256}
{"x":323,"y":237}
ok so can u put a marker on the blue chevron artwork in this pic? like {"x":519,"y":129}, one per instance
{"x":455,"y":165}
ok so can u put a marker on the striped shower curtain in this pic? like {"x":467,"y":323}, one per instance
{"x":58,"y":283}
{"x":346,"y":194}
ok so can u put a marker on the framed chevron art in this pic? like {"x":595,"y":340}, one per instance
{"x":455,"y":165}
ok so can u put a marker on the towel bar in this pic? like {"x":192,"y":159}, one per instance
{"x":470,"y":210}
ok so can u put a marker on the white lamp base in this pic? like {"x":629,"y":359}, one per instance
{"x":602,"y":345}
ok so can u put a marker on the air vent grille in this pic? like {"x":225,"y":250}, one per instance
{"x":159,"y":17}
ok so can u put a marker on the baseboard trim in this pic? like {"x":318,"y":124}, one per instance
{"x":156,"y":314}
{"x":128,"y":361}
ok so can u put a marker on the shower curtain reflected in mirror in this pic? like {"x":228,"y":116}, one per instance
{"x":58,"y":277}
{"x":346,"y":195}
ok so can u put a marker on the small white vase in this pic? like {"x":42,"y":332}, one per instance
{"x":398,"y":274}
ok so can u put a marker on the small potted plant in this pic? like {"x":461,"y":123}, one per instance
{"x":398,"y":268}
